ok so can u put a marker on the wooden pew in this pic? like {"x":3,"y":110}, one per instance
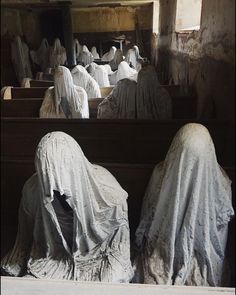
{"x":41,"y":83}
{"x":123,"y":141}
{"x":21,"y":92}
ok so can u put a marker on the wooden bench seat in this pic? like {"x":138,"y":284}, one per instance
{"x":41,"y":83}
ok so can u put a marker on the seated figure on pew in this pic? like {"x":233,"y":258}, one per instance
{"x":57,"y":54}
{"x":153,"y":101}
{"x":182,"y":234}
{"x":82,"y":78}
{"x":85,"y":57}
{"x":73,"y":221}
{"x":108,"y":56}
{"x":77,"y":49}
{"x":133,"y":58}
{"x":95,"y":53}
{"x":64,"y":100}
{"x":120,"y":103}
{"x":99,"y":73}
{"x":118,"y":58}
{"x":123,"y":71}
{"x":41,"y":56}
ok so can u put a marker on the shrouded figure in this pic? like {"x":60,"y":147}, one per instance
{"x":83,"y":79}
{"x":64,"y":100}
{"x":41,"y":56}
{"x":123,"y":71}
{"x":153,"y":101}
{"x":133,"y":58}
{"x":85,"y":56}
{"x":57,"y":55}
{"x":120,"y":103}
{"x":95,"y":53}
{"x":108,"y":56}
{"x":77,"y":49}
{"x":183,"y":229}
{"x":99,"y":73}
{"x":118,"y":58}
{"x":73,"y":221}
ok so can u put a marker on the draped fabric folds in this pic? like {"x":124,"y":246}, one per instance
{"x":64,"y":100}
{"x":85,"y":56}
{"x":123,"y":71}
{"x":57,"y":55}
{"x":133,"y":58}
{"x":120,"y":103}
{"x":153,"y":101}
{"x":77,"y":49}
{"x":41,"y":56}
{"x":83,"y":79}
{"x":108,"y":56}
{"x":20,"y":59}
{"x":99,"y":73}
{"x":185,"y":213}
{"x":95,"y":53}
{"x":118,"y":58}
{"x":73,"y":221}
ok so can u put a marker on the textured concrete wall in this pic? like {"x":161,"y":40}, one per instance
{"x":204,"y":59}
{"x":108,"y":19}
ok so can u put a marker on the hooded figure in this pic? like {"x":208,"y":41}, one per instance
{"x":109,"y":55}
{"x":183,"y":228}
{"x":85,"y":56}
{"x":77,"y":49}
{"x":123,"y":71}
{"x":64,"y":100}
{"x":153,"y":101}
{"x":95,"y":53}
{"x":120,"y":103}
{"x":133,"y":58}
{"x":57,"y":56}
{"x":99,"y":73}
{"x":82,"y":78}
{"x":20,"y":59}
{"x":118,"y":58}
{"x":73,"y":221}
{"x":108,"y":69}
{"x":41,"y":56}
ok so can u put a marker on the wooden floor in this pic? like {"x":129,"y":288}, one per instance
{"x":23,"y":286}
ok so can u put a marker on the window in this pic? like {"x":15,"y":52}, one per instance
{"x":188,"y":15}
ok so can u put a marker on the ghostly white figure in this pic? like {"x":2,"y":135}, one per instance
{"x":118,"y":58}
{"x":41,"y":56}
{"x":186,"y":209}
{"x":57,"y":55}
{"x":108,"y":56}
{"x":82,"y":78}
{"x":77,"y":49}
{"x":95,"y":53}
{"x":64,"y":100}
{"x":73,"y":221}
{"x":99,"y":73}
{"x":20,"y":59}
{"x":123,"y":71}
{"x":133,"y":58}
{"x":153,"y":101}
{"x":85,"y":57}
{"x":120,"y":103}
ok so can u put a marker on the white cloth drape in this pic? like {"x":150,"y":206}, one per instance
{"x":64,"y":99}
{"x":186,"y":209}
{"x":123,"y":71}
{"x":120,"y":103}
{"x":41,"y":56}
{"x":57,"y":55}
{"x":133,"y":58}
{"x":20,"y":59}
{"x":153,"y":101}
{"x":77,"y":49}
{"x":118,"y":58}
{"x":87,"y":239}
{"x":85,"y":56}
{"x":95,"y":53}
{"x":108,"y":56}
{"x":99,"y":73}
{"x":82,"y":78}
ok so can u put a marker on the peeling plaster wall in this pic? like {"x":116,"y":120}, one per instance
{"x":203,"y":59}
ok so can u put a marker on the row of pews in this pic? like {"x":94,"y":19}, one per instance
{"x":129,"y":149}
{"x":184,"y":104}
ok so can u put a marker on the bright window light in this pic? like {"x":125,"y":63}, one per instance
{"x":188,"y":15}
